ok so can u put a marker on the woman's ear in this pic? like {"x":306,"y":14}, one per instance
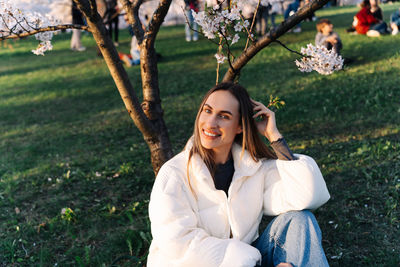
{"x":239,"y":129}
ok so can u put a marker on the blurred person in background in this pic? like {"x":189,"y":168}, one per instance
{"x":77,"y":18}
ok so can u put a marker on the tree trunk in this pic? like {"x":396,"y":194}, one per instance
{"x":148,"y":116}
{"x":161,"y":149}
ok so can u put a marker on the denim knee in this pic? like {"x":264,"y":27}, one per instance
{"x":298,"y":216}
{"x":296,"y":221}
{"x":292,"y":237}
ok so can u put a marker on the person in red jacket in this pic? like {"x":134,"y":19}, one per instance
{"x":367,"y":24}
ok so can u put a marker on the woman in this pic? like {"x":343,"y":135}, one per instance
{"x":207,"y":202}
{"x":376,"y":11}
{"x":367,"y":24}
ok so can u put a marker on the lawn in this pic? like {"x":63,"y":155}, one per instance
{"x":68,"y":145}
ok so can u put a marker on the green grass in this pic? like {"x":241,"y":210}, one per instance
{"x":67,"y":141}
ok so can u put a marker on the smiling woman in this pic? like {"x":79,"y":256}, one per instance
{"x":208,"y":201}
{"x":219,"y":126}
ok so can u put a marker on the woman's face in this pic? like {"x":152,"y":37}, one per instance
{"x":218,"y":122}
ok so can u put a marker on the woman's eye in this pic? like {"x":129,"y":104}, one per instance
{"x":225,"y":117}
{"x":206,"y":110}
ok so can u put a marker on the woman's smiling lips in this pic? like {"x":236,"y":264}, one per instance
{"x":210,"y":134}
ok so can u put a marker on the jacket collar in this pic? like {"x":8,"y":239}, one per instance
{"x":243,"y":163}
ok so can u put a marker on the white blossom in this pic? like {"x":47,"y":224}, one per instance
{"x":320,"y":59}
{"x":44,"y":36}
{"x":235,"y":39}
{"x":246,"y":23}
{"x":207,"y":23}
{"x":214,"y":22}
{"x":234,"y":14}
{"x":220,"y":58}
{"x":238,"y":27}
{"x":225,"y":13}
{"x":42,"y":47}
{"x":14,"y":21}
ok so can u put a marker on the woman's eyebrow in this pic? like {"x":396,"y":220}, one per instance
{"x":222,"y":111}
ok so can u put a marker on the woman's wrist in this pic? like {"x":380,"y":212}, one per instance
{"x":272,"y":137}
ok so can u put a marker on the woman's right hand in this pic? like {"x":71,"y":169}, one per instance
{"x":267,"y":125}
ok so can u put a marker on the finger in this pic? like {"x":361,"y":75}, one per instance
{"x":258,"y":105}
{"x":255,"y":102}
{"x":261,"y":113}
{"x":258,"y":108}
{"x":264,"y":108}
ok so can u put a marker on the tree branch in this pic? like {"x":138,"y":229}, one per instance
{"x":287,"y":48}
{"x":252,"y":24}
{"x":84,"y":6}
{"x":132,"y":11}
{"x":93,"y":6}
{"x":49,"y":28}
{"x":117,"y":71}
{"x":157,"y":19}
{"x":271,"y":36}
{"x":148,"y":63}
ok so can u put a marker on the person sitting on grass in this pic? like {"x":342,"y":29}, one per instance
{"x":367,"y":24}
{"x":134,"y":57}
{"x":327,"y":37}
{"x":207,"y":202}
{"x":395,"y":22}
{"x":376,"y":11}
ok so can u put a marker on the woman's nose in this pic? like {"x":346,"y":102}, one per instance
{"x":211,"y":121}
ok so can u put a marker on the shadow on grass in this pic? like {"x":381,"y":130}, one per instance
{"x":68,"y":58}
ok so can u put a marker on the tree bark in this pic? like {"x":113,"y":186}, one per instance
{"x":148,"y":116}
{"x":271,"y":36}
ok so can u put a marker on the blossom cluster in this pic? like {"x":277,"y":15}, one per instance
{"x":220,"y":58}
{"x":16,"y":21}
{"x":226,"y":24}
{"x":320,"y":59}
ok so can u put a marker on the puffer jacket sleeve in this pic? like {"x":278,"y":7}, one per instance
{"x":293,"y":185}
{"x":174,"y":226}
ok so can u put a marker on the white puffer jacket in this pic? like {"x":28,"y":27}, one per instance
{"x":192,"y":225}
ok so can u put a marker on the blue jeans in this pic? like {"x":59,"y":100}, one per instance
{"x":192,"y":24}
{"x":292,"y":237}
{"x":395,"y":18}
{"x":291,"y":7}
{"x":381,"y":27}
